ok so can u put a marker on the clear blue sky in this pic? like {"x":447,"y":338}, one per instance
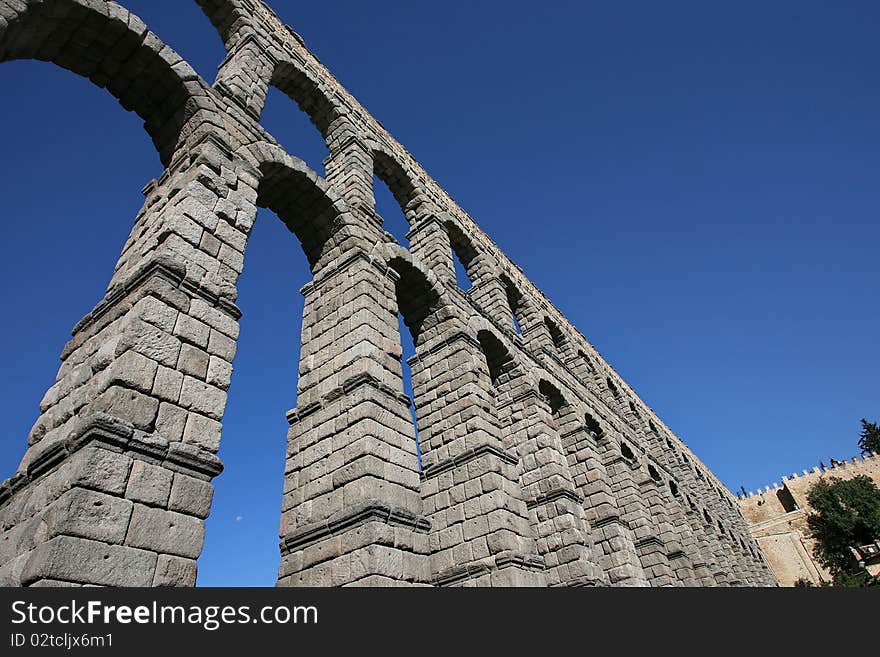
{"x":695,"y":185}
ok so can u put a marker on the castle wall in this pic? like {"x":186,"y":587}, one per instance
{"x":777,"y":518}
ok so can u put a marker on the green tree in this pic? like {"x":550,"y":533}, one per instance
{"x":869,"y":437}
{"x":845,"y":513}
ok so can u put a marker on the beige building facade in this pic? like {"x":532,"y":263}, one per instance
{"x":777,"y":516}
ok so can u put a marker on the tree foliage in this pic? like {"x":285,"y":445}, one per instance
{"x":869,"y":437}
{"x":845,"y":513}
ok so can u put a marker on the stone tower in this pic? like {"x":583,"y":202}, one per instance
{"x":540,"y":466}
{"x":777,"y":518}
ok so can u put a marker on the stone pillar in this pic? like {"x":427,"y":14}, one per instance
{"x":653,"y":491}
{"x":480,"y":532}
{"x":555,"y":507}
{"x":109,"y":506}
{"x":139,"y":395}
{"x":429,"y":243}
{"x":489,"y":295}
{"x":245,"y":73}
{"x":690,"y":566}
{"x":705,"y":565}
{"x":352,"y":512}
{"x":613,"y":540}
{"x":349,"y":168}
{"x":625,"y":478}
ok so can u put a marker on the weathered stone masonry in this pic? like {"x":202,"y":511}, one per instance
{"x":540,"y":465}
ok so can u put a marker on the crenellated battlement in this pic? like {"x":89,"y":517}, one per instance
{"x":778,"y":513}
{"x":836,"y":468}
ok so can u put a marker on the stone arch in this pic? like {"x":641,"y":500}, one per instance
{"x":407,"y":191}
{"x":593,"y":426}
{"x":553,"y":395}
{"x":627,"y":452}
{"x":309,"y":94}
{"x":591,"y":368}
{"x":516,"y":302}
{"x":556,"y":334}
{"x":498,"y":357}
{"x":466,"y":251}
{"x":612,"y":387}
{"x":114,"y":49}
{"x":225,"y":16}
{"x":421,"y":296}
{"x":302,"y":200}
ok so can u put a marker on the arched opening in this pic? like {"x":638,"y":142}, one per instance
{"x":395,"y":196}
{"x":626,"y":452}
{"x":654,"y":474}
{"x":408,"y":352}
{"x":290,"y":80}
{"x":305,"y":207}
{"x":786,"y":500}
{"x":464,"y":257}
{"x":587,"y":361}
{"x":498,"y":359}
{"x":593,"y":426}
{"x":612,"y":388}
{"x":294,"y":128}
{"x":241,"y":544}
{"x":241,"y":539}
{"x":556,"y":335}
{"x":635,"y":410}
{"x":553,"y":396}
{"x":653,"y":429}
{"x":387,"y":209}
{"x":417,"y":304}
{"x":156,"y":89}
{"x":707,"y":518}
{"x":515,"y":303}
{"x":186,"y":29}
{"x":673,"y":488}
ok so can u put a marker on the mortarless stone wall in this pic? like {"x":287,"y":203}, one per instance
{"x":540,"y":465}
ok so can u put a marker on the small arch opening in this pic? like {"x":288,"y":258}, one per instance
{"x":556,"y":335}
{"x":552,"y":395}
{"x":294,"y":129}
{"x":786,"y":500}
{"x":464,"y":257}
{"x":498,"y":359}
{"x":612,"y":388}
{"x":396,"y":197}
{"x":673,"y":488}
{"x":515,"y":303}
{"x":593,"y":426}
{"x":635,"y":411}
{"x":587,"y":361}
{"x":626,"y":452}
{"x":394,"y":221}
